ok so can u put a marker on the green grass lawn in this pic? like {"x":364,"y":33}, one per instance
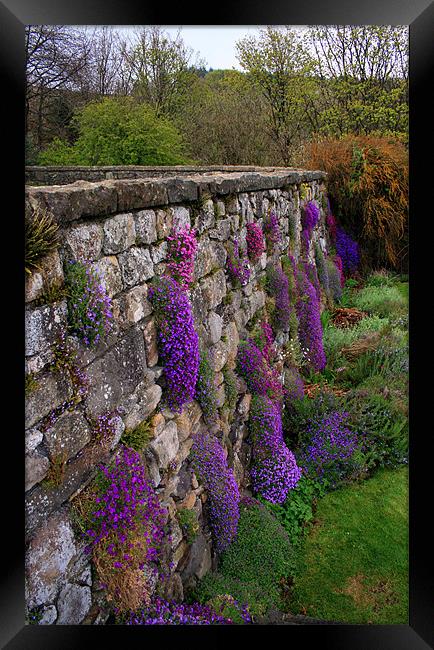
{"x":355,"y":560}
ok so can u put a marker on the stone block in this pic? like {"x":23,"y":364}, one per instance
{"x":151,"y":345}
{"x":73,"y":604}
{"x":51,"y":391}
{"x":32,"y":440}
{"x":136,"y":266}
{"x":116,"y":374}
{"x":165,"y":446}
{"x":159,"y":252}
{"x":84,"y":242}
{"x":43,"y":325}
{"x":213,"y":288}
{"x":164,"y":221}
{"x":210,"y":255}
{"x":141,"y":404}
{"x":199,"y":562}
{"x":179,"y":216}
{"x":70,"y":433}
{"x":146,"y":227}
{"x":110,"y":273}
{"x":215,"y":326}
{"x":36,"y":469}
{"x":119,"y":233}
{"x":218,"y":355}
{"x":134,"y":305}
{"x":47,"y":558}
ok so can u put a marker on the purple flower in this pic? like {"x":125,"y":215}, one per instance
{"x":309,"y":321}
{"x":238,"y":267}
{"x":178,"y":341}
{"x":271,"y":228}
{"x":274,"y":469}
{"x":255,"y":242}
{"x":348,"y":251}
{"x":329,"y":448}
{"x":182,"y":246}
{"x":210,"y":465}
{"x":310,"y":218}
{"x":254,"y":367}
{"x":163,"y":612}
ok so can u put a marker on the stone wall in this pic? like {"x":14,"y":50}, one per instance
{"x":55,"y":175}
{"x":121,"y":226}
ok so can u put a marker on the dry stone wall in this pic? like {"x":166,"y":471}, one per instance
{"x":121,"y":226}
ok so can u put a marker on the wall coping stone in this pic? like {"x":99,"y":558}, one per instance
{"x":84,"y":199}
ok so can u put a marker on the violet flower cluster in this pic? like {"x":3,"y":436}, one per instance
{"x":309,"y":322}
{"x":274,"y":469}
{"x":255,"y":242}
{"x":182,"y":246}
{"x":348,"y":251}
{"x":253,"y":366}
{"x":89,"y":305}
{"x":237,"y":265}
{"x":310,"y":218}
{"x":210,"y":465}
{"x":271,"y":227}
{"x":329,"y":448}
{"x":126,"y":504}
{"x":178,"y":341}
{"x":278,"y":286}
{"x":163,"y":612}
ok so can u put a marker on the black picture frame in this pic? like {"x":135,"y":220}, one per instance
{"x":419,"y":15}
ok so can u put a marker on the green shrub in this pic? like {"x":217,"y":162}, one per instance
{"x":139,"y":437}
{"x":231,"y":388}
{"x":41,"y":238}
{"x":380,"y":300}
{"x":187,"y":519}
{"x":383,"y":428}
{"x":118,"y":131}
{"x":251,"y":568}
{"x":303,"y":411}
{"x":298,"y":509}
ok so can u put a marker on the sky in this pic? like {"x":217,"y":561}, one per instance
{"x":213,"y":43}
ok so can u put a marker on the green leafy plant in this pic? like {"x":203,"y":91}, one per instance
{"x":252,"y":567}
{"x":138,"y":437}
{"x":189,"y":523}
{"x":41,"y":238}
{"x":297,"y":511}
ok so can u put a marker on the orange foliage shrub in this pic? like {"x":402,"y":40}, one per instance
{"x":368,"y":188}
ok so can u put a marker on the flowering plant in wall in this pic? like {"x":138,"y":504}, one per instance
{"x":271,"y":228}
{"x":310,"y":218}
{"x":182,"y":246}
{"x":89,"y":305}
{"x":309,"y":321}
{"x":125,"y":530}
{"x":178,"y":341}
{"x":274,"y":470}
{"x":253,"y":366}
{"x":210,"y":465}
{"x":255,"y":242}
{"x":237,"y":265}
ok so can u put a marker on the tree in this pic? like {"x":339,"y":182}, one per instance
{"x":119,"y":132}
{"x":224,"y":121}
{"x":363,"y":75}
{"x":279,"y":64}
{"x":56,"y":58}
{"x":160,"y":69}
